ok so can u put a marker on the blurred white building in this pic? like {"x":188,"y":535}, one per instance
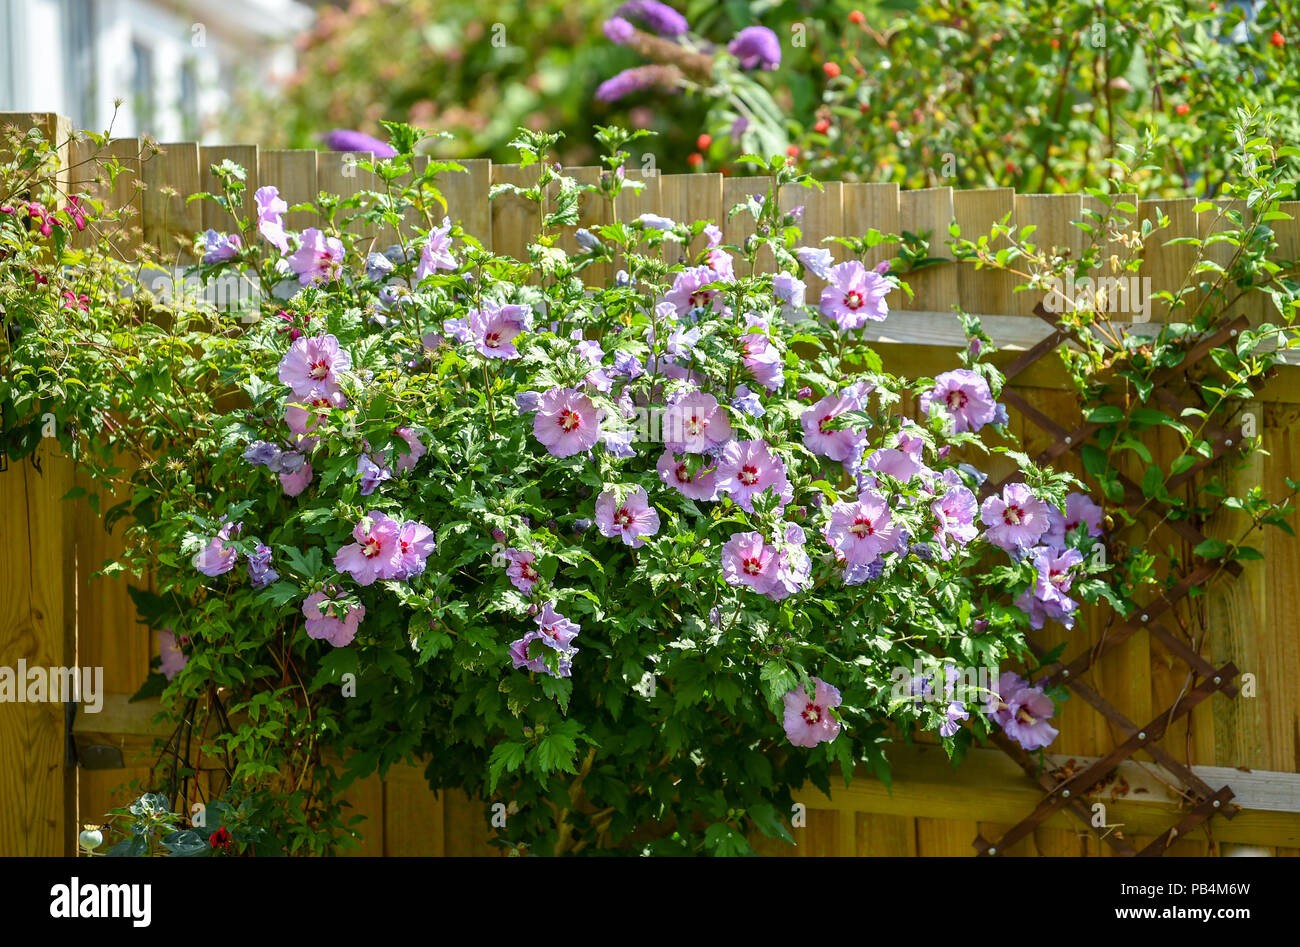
{"x":171,"y":62}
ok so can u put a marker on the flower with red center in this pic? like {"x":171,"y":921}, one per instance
{"x":821,"y":437}
{"x":962,"y":395}
{"x":688,"y":291}
{"x":554,"y":631}
{"x":566,"y":422}
{"x":763,"y":360}
{"x":1015,"y":520}
{"x":377,"y":552}
{"x":808,"y":719}
{"x":954,"y":514}
{"x":631,"y":520}
{"x":522,"y":570}
{"x":862,"y":530}
{"x":415,"y":544}
{"x":312,"y":365}
{"x":675,"y":472}
{"x":855,"y":296}
{"x":218,"y":558}
{"x":748,"y":469}
{"x":318,"y":258}
{"x":695,"y":424}
{"x":1022,"y":711}
{"x":748,"y":560}
{"x":494,"y":328}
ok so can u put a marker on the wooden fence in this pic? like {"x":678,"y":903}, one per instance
{"x":53,"y":612}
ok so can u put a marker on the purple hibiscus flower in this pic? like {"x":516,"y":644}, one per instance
{"x":494,"y":327}
{"x":270,"y":224}
{"x":217,"y":558}
{"x":220,"y":247}
{"x":330,"y":620}
{"x":748,"y":560}
{"x":855,"y":297}
{"x":318,"y":258}
{"x":522,"y":570}
{"x":631,"y":521}
{"x":964,"y":396}
{"x":861,"y":530}
{"x":695,"y":424}
{"x":747,"y":469}
{"x":675,"y":472}
{"x":1022,"y":711}
{"x":346,"y":139}
{"x":1016,"y":520}
{"x":688,"y":293}
{"x":260,"y":573}
{"x":436,"y":253}
{"x":841,"y":445}
{"x":311,"y":368}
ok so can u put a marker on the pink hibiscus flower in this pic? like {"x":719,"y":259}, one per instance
{"x":808,"y":720}
{"x":312,"y":365}
{"x":747,"y":469}
{"x":674,"y":472}
{"x":566,"y":422}
{"x":695,"y":424}
{"x":748,"y":560}
{"x":862,"y":530}
{"x":377,"y":552}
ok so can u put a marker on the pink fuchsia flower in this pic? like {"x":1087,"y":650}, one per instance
{"x":630,"y":521}
{"x":763,"y":360}
{"x":688,"y":292}
{"x":416,"y":449}
{"x":954,"y":514}
{"x":855,"y":297}
{"x":312,"y":365}
{"x":695,"y":424}
{"x":330,"y":620}
{"x":808,"y":720}
{"x":217,"y":558}
{"x":416,"y":544}
{"x":675,"y":472}
{"x":494,"y":328}
{"x":270,"y":224}
{"x":566,"y":422}
{"x":173,"y":659}
{"x":748,"y":560}
{"x":220,"y":247}
{"x":820,"y":437}
{"x":318,"y":258}
{"x":436,"y":253}
{"x":756,"y":47}
{"x":377,"y":552}
{"x":1016,"y":520}
{"x":522,"y":570}
{"x":862,"y":530}
{"x":964,"y":396}
{"x":1022,"y":711}
{"x":747,"y":469}
{"x":294,"y":483}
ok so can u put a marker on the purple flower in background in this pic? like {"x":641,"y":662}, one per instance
{"x":260,"y":573}
{"x":318,"y":258}
{"x":436,"y":253}
{"x":1016,"y":519}
{"x":899,"y":464}
{"x":519,"y":654}
{"x":862,"y":530}
{"x":747,"y":402}
{"x":415,"y":544}
{"x":371,"y":474}
{"x":763,"y":360}
{"x":631,"y":521}
{"x":1080,"y":509}
{"x":687,"y":292}
{"x":817,"y":260}
{"x":376,"y":554}
{"x":808,"y":720}
{"x":220,"y":247}
{"x":791,"y":291}
{"x":566,"y":422}
{"x":857,"y":573}
{"x":378,"y":267}
{"x":695,"y":424}
{"x":637,"y":79}
{"x":739,"y":127}
{"x":346,"y":139}
{"x":527,"y":401}
{"x":675,"y":473}
{"x":269,"y":222}
{"x":757,"y":47}
{"x":655,"y":222}
{"x":655,"y":16}
{"x":1047,"y":598}
{"x":458,"y":329}
{"x":619,"y":443}
{"x":216,"y":558}
{"x":855,"y":297}
{"x":261,"y":454}
{"x":618,"y":30}
{"x":748,"y":469}
{"x":311,"y":367}
{"x":625,"y":363}
{"x":416,"y":449}
{"x":330,"y":620}
{"x":954,"y":514}
{"x":494,"y":328}
{"x":294,"y":483}
{"x":819,"y":437}
{"x":748,"y":560}
{"x":522,"y":570}
{"x":964,"y":396}
{"x":173,"y":659}
{"x":793,"y":568}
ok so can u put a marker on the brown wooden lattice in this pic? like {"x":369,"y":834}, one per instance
{"x":1070,"y":791}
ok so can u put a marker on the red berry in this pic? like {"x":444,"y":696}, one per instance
{"x":858,"y":17}
{"x":1056,"y":44}
{"x":695,"y":159}
{"x":703,"y":142}
{"x":1277,"y":39}
{"x":1011,"y":167}
{"x":831,"y":69}
{"x":793,"y":151}
{"x":822,"y":127}
{"x":1182,"y":108}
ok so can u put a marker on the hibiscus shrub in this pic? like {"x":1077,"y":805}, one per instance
{"x":637,"y":560}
